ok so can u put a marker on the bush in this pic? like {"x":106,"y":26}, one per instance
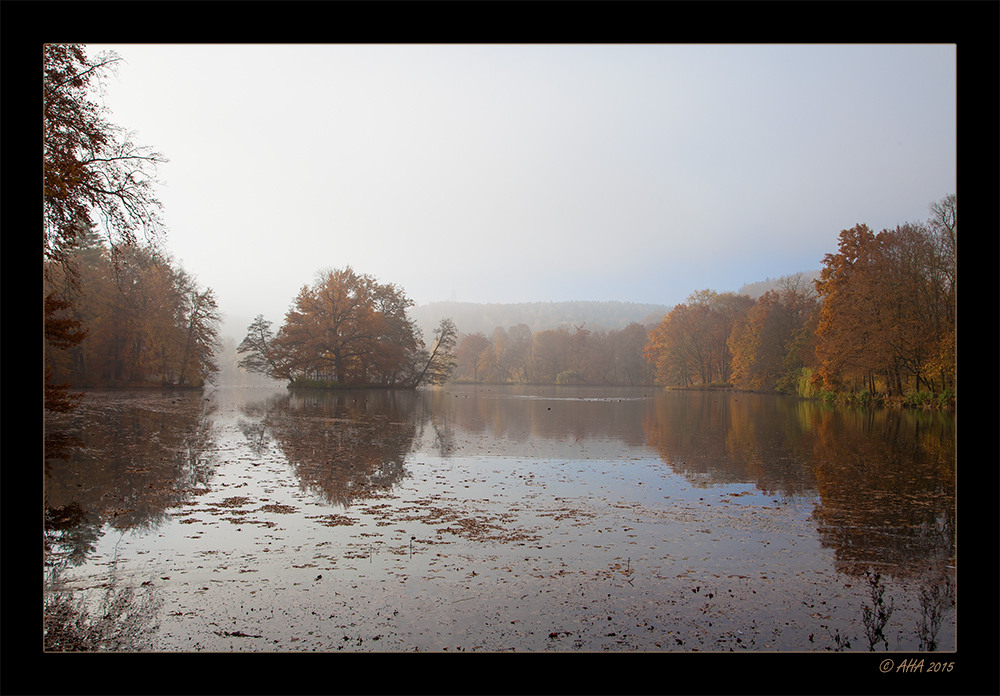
{"x":804,"y":384}
{"x":123,"y":620}
{"x":919,"y":399}
{"x":946,"y":398}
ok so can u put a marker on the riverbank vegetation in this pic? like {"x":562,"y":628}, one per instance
{"x":555,"y":356}
{"x":877,"y":326}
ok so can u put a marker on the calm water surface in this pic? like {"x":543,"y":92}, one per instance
{"x":504,"y":519}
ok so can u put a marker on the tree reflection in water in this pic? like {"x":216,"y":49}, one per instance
{"x":122,"y":462}
{"x":344,"y":445}
{"x":883,"y":479}
{"x":886,"y":479}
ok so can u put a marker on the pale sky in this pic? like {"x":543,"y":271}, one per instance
{"x":525,"y":173}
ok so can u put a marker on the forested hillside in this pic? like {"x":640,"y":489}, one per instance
{"x":802,"y":279}
{"x":471,"y":317}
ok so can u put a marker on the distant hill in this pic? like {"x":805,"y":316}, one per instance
{"x":471,"y":317}
{"x":755,"y":290}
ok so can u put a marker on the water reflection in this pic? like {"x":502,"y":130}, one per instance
{"x":886,"y":480}
{"x":881,"y":482}
{"x":342,"y":445}
{"x":721,"y":438}
{"x":121,"y":462}
{"x":535,"y":421}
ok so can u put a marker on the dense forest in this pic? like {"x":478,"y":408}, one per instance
{"x":146,"y":320}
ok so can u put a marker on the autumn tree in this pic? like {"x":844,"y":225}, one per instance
{"x":439,"y":363}
{"x":678,"y":347}
{"x":725,"y":311}
{"x":552,"y":354}
{"x":496,"y":359}
{"x":350,"y":329}
{"x":137,"y":333}
{"x":148,"y":322}
{"x":598,"y":358}
{"x":257,"y":349}
{"x":519,"y":352}
{"x":942,"y":274}
{"x":579,"y":358}
{"x":670,"y":351}
{"x":627,"y":346}
{"x":887,"y":320}
{"x":691,"y":343}
{"x":198,"y":321}
{"x":767,"y":343}
{"x":93,"y":173}
{"x":469,"y":353}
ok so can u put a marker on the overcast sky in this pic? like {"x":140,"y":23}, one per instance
{"x":523,"y":173}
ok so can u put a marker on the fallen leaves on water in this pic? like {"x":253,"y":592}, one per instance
{"x":333,"y":520}
{"x":278,"y":508}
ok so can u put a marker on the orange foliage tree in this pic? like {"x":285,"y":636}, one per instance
{"x":349,"y":329}
{"x":346,"y":327}
{"x":767,"y":344}
{"x":691,"y":343}
{"x":469,"y":353}
{"x":887,"y":321}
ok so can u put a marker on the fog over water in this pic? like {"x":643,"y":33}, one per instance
{"x":525,"y":173}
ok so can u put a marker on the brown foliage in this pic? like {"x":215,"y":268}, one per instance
{"x":350,"y":328}
{"x":691,"y":343}
{"x":90,"y":165}
{"x":768,"y":343}
{"x":145,"y":322}
{"x":887,"y":320}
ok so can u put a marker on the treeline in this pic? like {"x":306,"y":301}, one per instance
{"x":141,"y":319}
{"x":554,"y":356}
{"x":879,"y":323}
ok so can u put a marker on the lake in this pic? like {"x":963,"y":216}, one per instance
{"x":493,"y":519}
